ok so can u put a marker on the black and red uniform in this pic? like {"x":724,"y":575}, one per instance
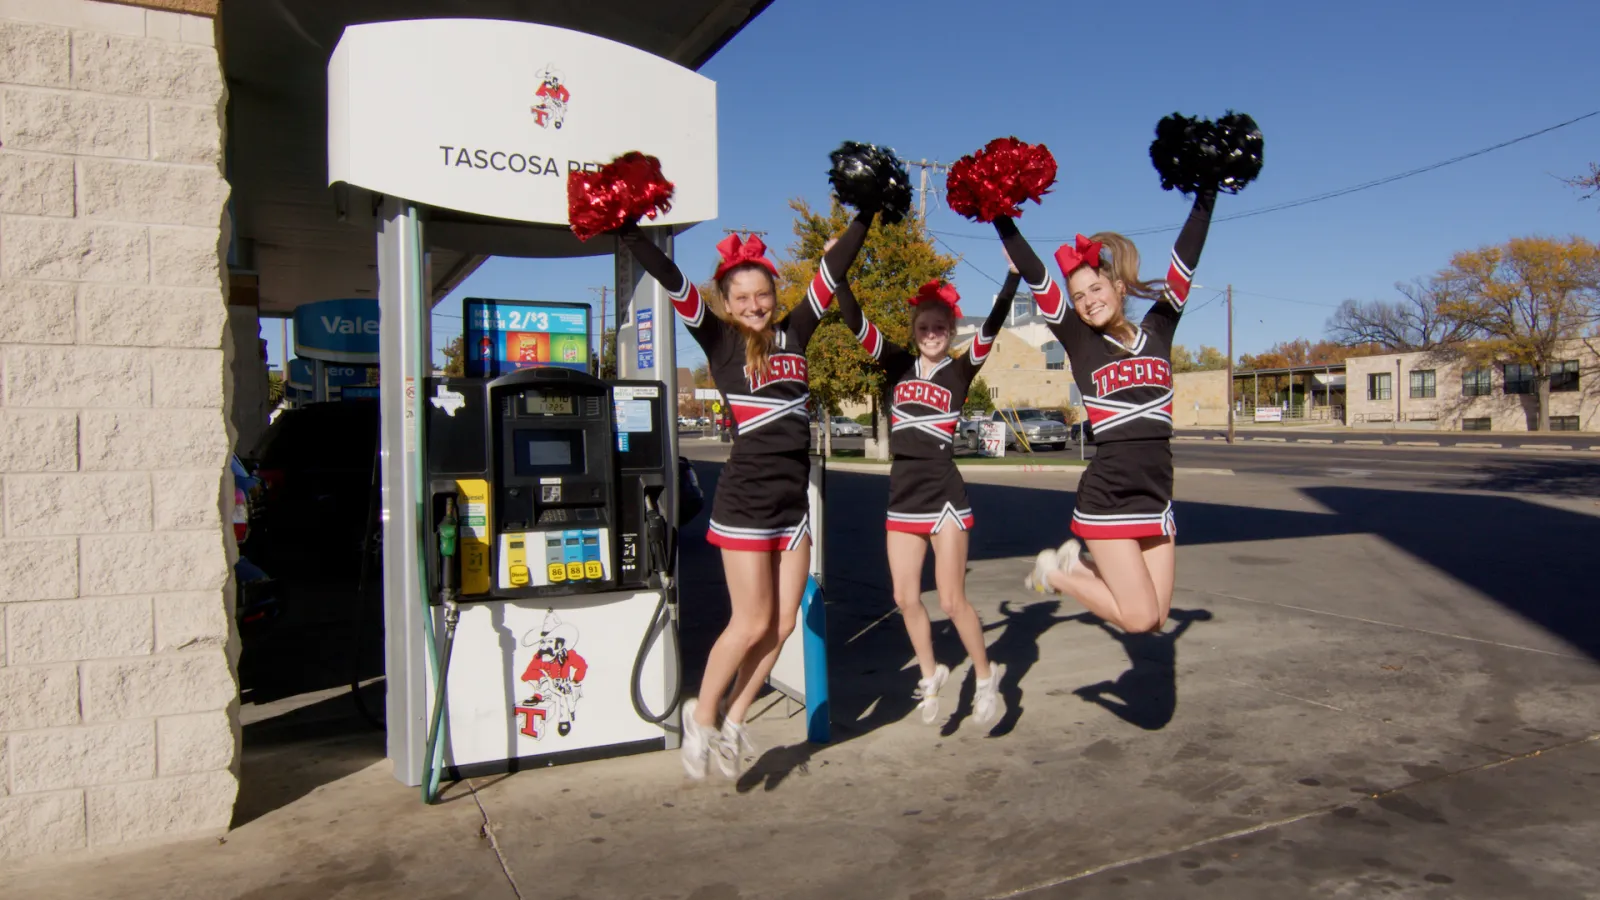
{"x":926,"y":492}
{"x":1127,"y":390}
{"x":760,"y":502}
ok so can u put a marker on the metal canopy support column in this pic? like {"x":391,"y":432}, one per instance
{"x":404,"y":338}
{"x":637,"y":291}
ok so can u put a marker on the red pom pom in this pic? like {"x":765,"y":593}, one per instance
{"x":995,"y":180}
{"x":624,"y":190}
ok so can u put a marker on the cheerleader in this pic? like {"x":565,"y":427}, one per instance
{"x":760,"y":515}
{"x":1124,"y":499}
{"x":925,"y":390}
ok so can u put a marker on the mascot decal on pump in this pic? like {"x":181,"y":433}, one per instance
{"x":556,"y":675}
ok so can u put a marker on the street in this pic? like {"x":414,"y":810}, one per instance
{"x":1379,"y":678}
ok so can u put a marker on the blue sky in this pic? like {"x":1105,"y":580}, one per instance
{"x":1344,"y":93}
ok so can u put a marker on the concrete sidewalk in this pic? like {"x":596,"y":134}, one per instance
{"x":1357,"y":695}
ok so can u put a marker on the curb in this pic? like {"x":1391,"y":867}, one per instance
{"x":883,"y":468}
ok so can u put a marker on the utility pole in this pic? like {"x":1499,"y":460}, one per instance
{"x":922,"y":189}
{"x":744,"y":231}
{"x":1230,"y":363}
{"x":601,"y":343}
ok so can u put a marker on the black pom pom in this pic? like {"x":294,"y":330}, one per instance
{"x":869,"y":177}
{"x":1197,"y":154}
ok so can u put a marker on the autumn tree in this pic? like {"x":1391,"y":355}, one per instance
{"x":1209,"y":358}
{"x":1415,"y":321}
{"x":1526,"y":298}
{"x":895,"y":261}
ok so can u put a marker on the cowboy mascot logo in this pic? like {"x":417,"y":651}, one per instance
{"x":550,"y":100}
{"x":556,"y":673}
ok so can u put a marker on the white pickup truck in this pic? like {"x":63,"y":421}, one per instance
{"x":1041,"y":432}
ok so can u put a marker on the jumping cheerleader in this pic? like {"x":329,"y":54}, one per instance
{"x":760,"y":516}
{"x":927,"y":498}
{"x":1124,"y":508}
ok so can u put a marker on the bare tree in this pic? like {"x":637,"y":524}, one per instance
{"x":1412,"y":323}
{"x":1589,"y":184}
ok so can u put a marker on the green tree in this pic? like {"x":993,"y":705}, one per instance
{"x":275,"y":389}
{"x":894,"y":262}
{"x":978,"y":402}
{"x":1526,"y":297}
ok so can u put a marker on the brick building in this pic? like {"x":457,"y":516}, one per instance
{"x":1444,"y":391}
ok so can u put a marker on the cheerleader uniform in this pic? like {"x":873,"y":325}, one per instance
{"x":926,"y":492}
{"x":760,"y":502}
{"x":1127,"y":388}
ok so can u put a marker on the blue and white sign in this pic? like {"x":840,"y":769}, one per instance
{"x":358,"y":393}
{"x":647,"y":338}
{"x":351,"y":376}
{"x":302,"y":374}
{"x":337,"y":330}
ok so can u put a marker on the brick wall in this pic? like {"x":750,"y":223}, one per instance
{"x":1200,"y":398}
{"x":117,"y":691}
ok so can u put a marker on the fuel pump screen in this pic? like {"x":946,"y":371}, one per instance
{"x":542,"y":451}
{"x":538,"y":403}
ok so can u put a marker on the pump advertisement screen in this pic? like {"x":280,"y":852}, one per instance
{"x":503,"y":336}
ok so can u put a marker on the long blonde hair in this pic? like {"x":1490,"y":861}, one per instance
{"x":1124,"y":267}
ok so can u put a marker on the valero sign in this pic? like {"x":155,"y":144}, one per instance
{"x":488,"y":116}
{"x":337,"y":330}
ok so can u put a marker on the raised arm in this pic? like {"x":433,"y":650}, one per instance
{"x":1180,"y":272}
{"x":825,"y":284}
{"x":684,"y":295}
{"x":990,"y":329}
{"x":1046,"y":292}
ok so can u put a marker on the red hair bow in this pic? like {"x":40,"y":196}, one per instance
{"x":941,"y":291}
{"x":736,"y":253}
{"x":1085,"y":253}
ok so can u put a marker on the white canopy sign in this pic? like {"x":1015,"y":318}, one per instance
{"x":488,"y":117}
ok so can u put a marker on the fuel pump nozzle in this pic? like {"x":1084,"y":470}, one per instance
{"x":658,"y":550}
{"x":449,"y":591}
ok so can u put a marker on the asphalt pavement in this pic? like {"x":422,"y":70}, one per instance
{"x":1379,"y":680}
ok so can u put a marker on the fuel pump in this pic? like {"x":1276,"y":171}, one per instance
{"x":551,"y":581}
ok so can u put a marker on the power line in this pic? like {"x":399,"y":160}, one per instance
{"x":1327,"y":195}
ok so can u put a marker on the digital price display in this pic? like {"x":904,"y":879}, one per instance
{"x":540,"y":403}
{"x":503,"y":336}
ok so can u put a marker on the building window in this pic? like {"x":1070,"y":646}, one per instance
{"x":1379,"y":386}
{"x":1564,"y":375}
{"x":1519,"y":378}
{"x":994,"y":393}
{"x":1478,"y":424}
{"x":1423,"y":384}
{"x":1021,"y":309}
{"x":1055,"y":356}
{"x":1563,"y":423}
{"x":1476,"y":383}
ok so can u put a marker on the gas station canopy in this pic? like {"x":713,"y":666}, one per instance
{"x":305,"y":240}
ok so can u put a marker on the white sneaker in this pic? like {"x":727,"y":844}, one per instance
{"x":1038,"y":580}
{"x":986,"y":699}
{"x":1069,"y":555}
{"x":696,"y":748}
{"x":732,"y":745}
{"x":928,"y":693}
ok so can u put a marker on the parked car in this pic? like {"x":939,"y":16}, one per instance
{"x":843,"y":426}
{"x":317,"y":464}
{"x":1041,"y":432}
